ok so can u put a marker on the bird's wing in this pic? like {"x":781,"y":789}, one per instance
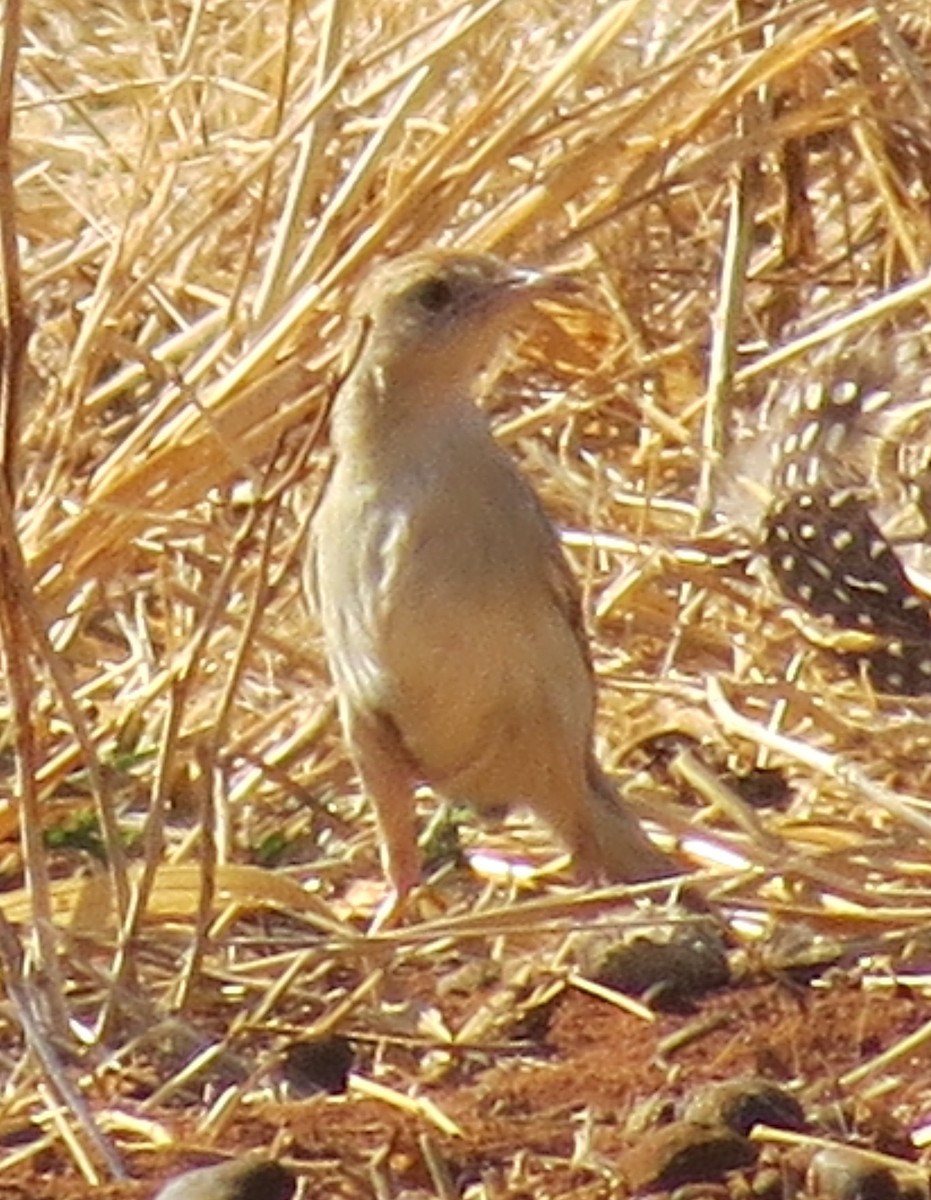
{"x":568,"y":596}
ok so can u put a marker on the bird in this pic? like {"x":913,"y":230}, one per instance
{"x":451,"y":619}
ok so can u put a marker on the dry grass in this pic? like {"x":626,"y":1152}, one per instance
{"x":199,"y":190}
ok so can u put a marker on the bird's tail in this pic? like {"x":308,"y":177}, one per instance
{"x":623,"y":853}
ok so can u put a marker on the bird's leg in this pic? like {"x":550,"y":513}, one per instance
{"x":389,"y":779}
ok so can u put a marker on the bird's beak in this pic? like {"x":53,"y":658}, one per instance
{"x":524,"y":286}
{"x":543,"y":285}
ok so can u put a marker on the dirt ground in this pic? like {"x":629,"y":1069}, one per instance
{"x":567,"y":1094}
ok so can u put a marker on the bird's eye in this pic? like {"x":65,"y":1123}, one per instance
{"x":433,"y":295}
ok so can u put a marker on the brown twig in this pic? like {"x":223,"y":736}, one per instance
{"x":13,"y":622}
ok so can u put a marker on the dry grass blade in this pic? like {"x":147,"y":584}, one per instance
{"x":41,"y":1044}
{"x":903,"y":807}
{"x":726,"y":318}
{"x":764,"y":1133}
{"x":420,"y":1106}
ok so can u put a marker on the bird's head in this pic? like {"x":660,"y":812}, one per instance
{"x":438,"y":316}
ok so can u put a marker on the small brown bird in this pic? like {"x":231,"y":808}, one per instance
{"x":452,"y":621}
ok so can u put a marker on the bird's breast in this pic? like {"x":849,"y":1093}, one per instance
{"x":435,"y":591}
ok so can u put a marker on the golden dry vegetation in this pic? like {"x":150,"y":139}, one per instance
{"x":744,"y":187}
